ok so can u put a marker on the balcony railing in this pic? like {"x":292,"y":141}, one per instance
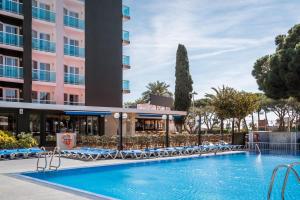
{"x":11,"y":71}
{"x":73,"y":22}
{"x":42,"y":14}
{"x":126,"y":61}
{"x":125,"y":37}
{"x":11,"y":99}
{"x":126,"y":12}
{"x":11,"y":6}
{"x":72,"y":103}
{"x":126,"y":85}
{"x":75,"y":51}
{"x":43,"y":45}
{"x":43,"y":101}
{"x":74,"y":79}
{"x":43,"y":75}
{"x":11,"y":39}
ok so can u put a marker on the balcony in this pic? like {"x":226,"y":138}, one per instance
{"x":126,"y":12}
{"x":72,"y":103}
{"x":126,"y":88}
{"x":75,"y":51}
{"x":73,"y":22}
{"x":126,"y":62}
{"x":11,"y":99}
{"x":42,"y":14}
{"x":43,"y":75}
{"x":125,"y":38}
{"x":74,"y":79}
{"x":43,"y":45}
{"x":11,"y":6}
{"x":40,"y":101}
{"x":7,"y":71}
{"x":11,"y":39}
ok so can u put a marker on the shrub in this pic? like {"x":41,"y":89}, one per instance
{"x":26,"y":140}
{"x":7,"y":140}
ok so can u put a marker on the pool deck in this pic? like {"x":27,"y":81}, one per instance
{"x":15,"y":188}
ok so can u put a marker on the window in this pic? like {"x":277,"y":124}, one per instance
{"x":34,"y":3}
{"x":34,"y":34}
{"x":71,"y":99}
{"x":44,"y":96}
{"x":45,"y":66}
{"x":11,"y":29}
{"x":74,"y":42}
{"x":71,"y":42}
{"x":10,"y":93}
{"x":45,"y":36}
{"x":44,"y":6}
{"x":34,"y":95}
{"x":34,"y":64}
{"x":71,"y":70}
{"x":74,"y":14}
{"x":40,"y":97}
{"x":71,"y":13}
{"x":11,"y":61}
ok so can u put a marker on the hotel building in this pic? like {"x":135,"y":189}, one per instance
{"x":61,"y":64}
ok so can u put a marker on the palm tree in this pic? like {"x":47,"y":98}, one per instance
{"x":156,"y":88}
{"x":223,"y":103}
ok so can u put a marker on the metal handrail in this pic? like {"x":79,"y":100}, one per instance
{"x":287,"y":176}
{"x":38,"y":160}
{"x":56,"y":150}
{"x":257,"y":147}
{"x":289,"y":167}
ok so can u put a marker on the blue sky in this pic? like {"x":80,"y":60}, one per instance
{"x":223,"y":38}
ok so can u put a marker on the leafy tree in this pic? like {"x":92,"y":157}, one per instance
{"x":244,"y":104}
{"x":156,"y":88}
{"x":183,"y":83}
{"x":293,"y":111}
{"x":207,"y":112}
{"x":280,"y":109}
{"x":278,"y":75}
{"x":223,"y":103}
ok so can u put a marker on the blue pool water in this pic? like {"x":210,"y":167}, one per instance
{"x":227,"y":177}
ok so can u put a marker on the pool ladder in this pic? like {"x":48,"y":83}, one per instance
{"x":289,"y":168}
{"x":52,"y":154}
{"x":257,"y":148}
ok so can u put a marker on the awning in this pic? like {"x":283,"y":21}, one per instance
{"x":88,"y":113}
{"x":149,"y":115}
{"x":156,"y":116}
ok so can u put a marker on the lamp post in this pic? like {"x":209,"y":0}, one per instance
{"x":198,"y":118}
{"x":167,"y":118}
{"x":120,"y":116}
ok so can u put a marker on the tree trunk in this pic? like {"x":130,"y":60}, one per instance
{"x":258,"y":119}
{"x":232,"y":131}
{"x":267,"y":123}
{"x":253,"y":126}
{"x":246,"y":125}
{"x":222,"y":128}
{"x":239,"y":125}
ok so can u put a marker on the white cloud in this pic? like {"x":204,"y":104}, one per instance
{"x":216,"y":33}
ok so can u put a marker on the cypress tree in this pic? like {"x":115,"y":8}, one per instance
{"x":184,"y":82}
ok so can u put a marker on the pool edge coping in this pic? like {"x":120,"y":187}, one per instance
{"x":91,"y":195}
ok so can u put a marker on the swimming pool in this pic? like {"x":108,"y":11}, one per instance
{"x":227,"y":177}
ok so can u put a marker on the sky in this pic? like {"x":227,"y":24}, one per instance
{"x":223,"y":38}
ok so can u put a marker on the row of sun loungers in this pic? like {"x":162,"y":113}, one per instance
{"x":96,"y":153}
{"x":19,"y":153}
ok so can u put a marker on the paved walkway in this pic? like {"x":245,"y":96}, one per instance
{"x":13,"y":188}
